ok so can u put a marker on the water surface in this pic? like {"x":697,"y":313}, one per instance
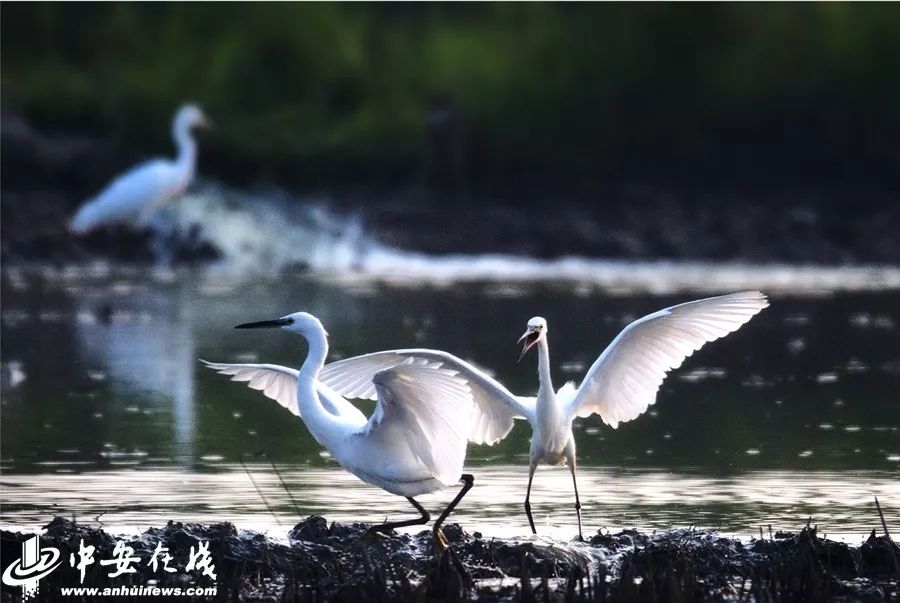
{"x":107,"y":413}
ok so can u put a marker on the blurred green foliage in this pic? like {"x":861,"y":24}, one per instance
{"x":585,"y":91}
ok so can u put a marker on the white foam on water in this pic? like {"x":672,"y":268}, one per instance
{"x":267,"y":233}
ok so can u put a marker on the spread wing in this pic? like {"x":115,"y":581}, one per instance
{"x":495,"y":406}
{"x":276,"y":382}
{"x":280,"y":384}
{"x":622,"y":383}
{"x":429,"y":408}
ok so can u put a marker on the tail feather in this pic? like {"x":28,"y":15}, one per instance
{"x":86,"y":219}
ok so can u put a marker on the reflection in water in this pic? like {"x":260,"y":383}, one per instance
{"x":145,"y":343}
{"x":647,"y":499}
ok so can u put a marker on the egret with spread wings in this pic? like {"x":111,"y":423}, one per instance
{"x":415,"y":441}
{"x":620,"y":385}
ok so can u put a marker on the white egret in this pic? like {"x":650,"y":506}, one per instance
{"x":415,"y":441}
{"x":134,"y":197}
{"x":620,"y":385}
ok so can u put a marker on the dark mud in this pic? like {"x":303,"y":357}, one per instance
{"x":328,"y":562}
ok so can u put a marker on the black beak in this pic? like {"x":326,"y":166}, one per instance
{"x":530,"y":339}
{"x":266,"y":324}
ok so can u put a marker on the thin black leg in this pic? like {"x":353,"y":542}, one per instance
{"x":440,"y":541}
{"x":468,"y":481}
{"x":388,"y":526}
{"x":577,"y":501}
{"x":531,"y":469}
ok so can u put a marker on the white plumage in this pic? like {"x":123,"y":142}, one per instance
{"x":277,"y":382}
{"x":133,"y":197}
{"x":620,"y":385}
{"x":495,"y":406}
{"x":414,"y":442}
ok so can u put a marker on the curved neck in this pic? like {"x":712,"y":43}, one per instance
{"x":318,"y":351}
{"x":544,"y":366}
{"x":324,"y":426}
{"x":187,"y":148}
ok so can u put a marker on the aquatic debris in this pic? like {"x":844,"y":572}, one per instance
{"x":702,"y":374}
{"x":829,"y":377}
{"x":12,"y":374}
{"x":323,"y":561}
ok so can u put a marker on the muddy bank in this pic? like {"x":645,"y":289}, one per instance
{"x":323,"y":561}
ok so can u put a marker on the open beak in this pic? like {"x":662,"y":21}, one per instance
{"x":530,"y":338}
{"x":265,"y":324}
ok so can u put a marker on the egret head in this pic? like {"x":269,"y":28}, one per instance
{"x":534,"y":332}
{"x":299,"y":322}
{"x":190,"y":116}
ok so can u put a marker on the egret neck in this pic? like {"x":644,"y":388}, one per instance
{"x":323,"y":425}
{"x":549,"y":412}
{"x":545,"y":389}
{"x":187,"y":149}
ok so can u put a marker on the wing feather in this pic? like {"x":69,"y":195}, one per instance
{"x":495,"y":406}
{"x":622,"y":383}
{"x":277,"y":382}
{"x":432,"y":407}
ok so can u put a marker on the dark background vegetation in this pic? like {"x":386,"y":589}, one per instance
{"x":508,"y":102}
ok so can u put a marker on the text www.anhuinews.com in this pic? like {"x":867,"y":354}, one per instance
{"x":138,"y":591}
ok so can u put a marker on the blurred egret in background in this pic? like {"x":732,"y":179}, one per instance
{"x":133,"y":198}
{"x":415,"y":441}
{"x":620,"y":385}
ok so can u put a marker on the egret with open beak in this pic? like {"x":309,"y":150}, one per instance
{"x":620,"y":385}
{"x":532,"y":334}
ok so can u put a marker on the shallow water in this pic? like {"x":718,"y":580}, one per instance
{"x":107,"y":413}
{"x":613,"y":499}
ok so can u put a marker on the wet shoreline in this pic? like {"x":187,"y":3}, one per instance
{"x":328,"y":562}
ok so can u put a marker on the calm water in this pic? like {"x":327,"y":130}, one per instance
{"x":106,"y":412}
